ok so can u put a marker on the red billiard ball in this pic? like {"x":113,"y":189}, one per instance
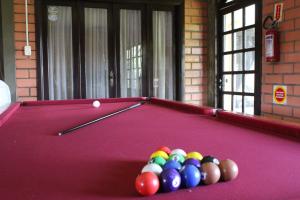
{"x":165,"y":149}
{"x":147,"y":183}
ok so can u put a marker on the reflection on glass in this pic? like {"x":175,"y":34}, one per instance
{"x":238,"y":19}
{"x":238,"y":40}
{"x":227,"y":102}
{"x":227,"y":62}
{"x":249,"y":83}
{"x":227,"y":42}
{"x":163,"y":82}
{"x":238,"y":62}
{"x":227,"y":22}
{"x":237,"y":103}
{"x":250,"y":38}
{"x":96,"y":52}
{"x":227,"y":82}
{"x":250,"y":15}
{"x":249,"y":105}
{"x":60,"y":54}
{"x":237,"y":83}
{"x":130,"y":53}
{"x":249,"y":60}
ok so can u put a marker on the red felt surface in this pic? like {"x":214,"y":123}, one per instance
{"x":101,"y":161}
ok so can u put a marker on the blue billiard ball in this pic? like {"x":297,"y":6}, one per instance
{"x":190,"y":176}
{"x":170,"y":180}
{"x":172,"y":164}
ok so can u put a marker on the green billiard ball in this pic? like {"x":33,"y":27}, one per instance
{"x":158,"y":160}
{"x":177,"y":157}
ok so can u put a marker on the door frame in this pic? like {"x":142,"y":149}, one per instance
{"x":223,"y":8}
{"x":78,"y":54}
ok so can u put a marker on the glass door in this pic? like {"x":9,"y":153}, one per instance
{"x":60,"y":70}
{"x":163,"y":58}
{"x":239,"y":68}
{"x":130,"y":68}
{"x":95,"y":60}
{"x":94,"y":49}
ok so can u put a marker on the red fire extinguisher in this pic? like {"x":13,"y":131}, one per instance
{"x":272,"y":48}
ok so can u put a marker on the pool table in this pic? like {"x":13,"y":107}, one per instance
{"x":102,"y":160}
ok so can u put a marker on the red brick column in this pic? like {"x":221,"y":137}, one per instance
{"x":196,"y":52}
{"x":25,"y":65}
{"x":287,"y":71}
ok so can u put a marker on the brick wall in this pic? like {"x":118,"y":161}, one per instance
{"x":287,"y":71}
{"x":25,"y":65}
{"x":196,"y":52}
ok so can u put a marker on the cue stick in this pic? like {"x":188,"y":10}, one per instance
{"x":100,"y":118}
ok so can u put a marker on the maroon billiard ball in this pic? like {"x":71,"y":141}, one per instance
{"x":229,"y":169}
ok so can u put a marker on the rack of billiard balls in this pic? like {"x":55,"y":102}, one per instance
{"x":169,"y":170}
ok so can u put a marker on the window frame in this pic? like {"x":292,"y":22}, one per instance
{"x":78,"y":53}
{"x":1,"y":47}
{"x":224,"y":8}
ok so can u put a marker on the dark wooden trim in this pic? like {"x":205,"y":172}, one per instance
{"x":1,"y":47}
{"x":39,"y":52}
{"x":159,"y":2}
{"x":258,"y":60}
{"x":8,"y":44}
{"x":179,"y":55}
{"x":44,"y":35}
{"x":212,"y":62}
{"x":149,"y":56}
{"x":76,"y":51}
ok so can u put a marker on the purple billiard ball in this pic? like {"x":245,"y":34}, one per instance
{"x":170,"y":180}
{"x":192,"y":161}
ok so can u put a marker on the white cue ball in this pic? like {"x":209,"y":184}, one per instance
{"x":96,"y":104}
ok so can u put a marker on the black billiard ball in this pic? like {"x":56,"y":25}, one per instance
{"x":210,"y":159}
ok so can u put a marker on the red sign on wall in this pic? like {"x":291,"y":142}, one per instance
{"x":279,"y":94}
{"x":278,"y":12}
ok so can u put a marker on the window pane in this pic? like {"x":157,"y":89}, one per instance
{"x":96,"y":53}
{"x":249,"y":83}
{"x":227,"y":42}
{"x":250,"y":60}
{"x":227,"y":62}
{"x":227,"y":82}
{"x":162,"y":55}
{"x":227,"y":20}
{"x":238,"y":62}
{"x":238,"y":40}
{"x":238,"y":83}
{"x":250,"y":15}
{"x":60,"y":54}
{"x":227,"y":102}
{"x":249,"y":105}
{"x":238,"y":18}
{"x":237,"y":103}
{"x":250,"y":38}
{"x":130,"y":39}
